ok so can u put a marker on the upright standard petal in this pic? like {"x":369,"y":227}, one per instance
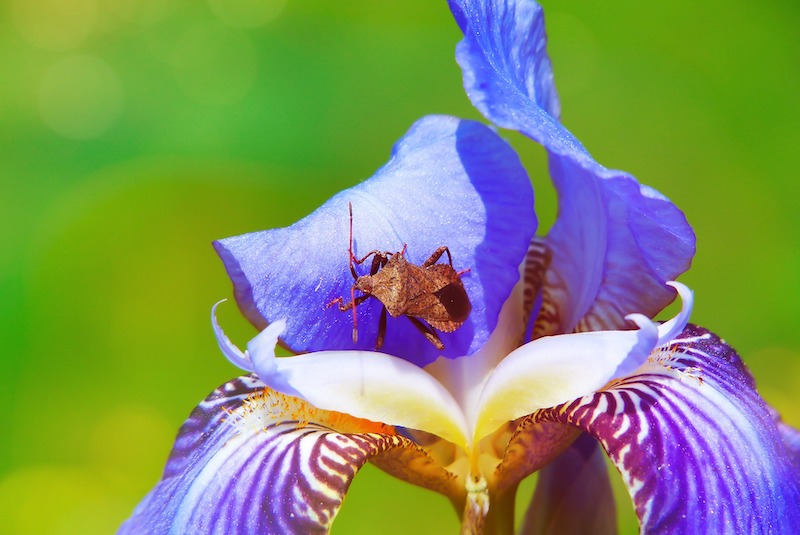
{"x":615,"y":243}
{"x":449,"y":182}
{"x":250,"y":460}
{"x":696,"y":445}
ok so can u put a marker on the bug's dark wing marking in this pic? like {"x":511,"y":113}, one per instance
{"x":455,"y":301}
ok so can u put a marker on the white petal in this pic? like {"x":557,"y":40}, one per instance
{"x":669,"y":330}
{"x":364,"y":384}
{"x":555,"y":369}
{"x":231,"y":352}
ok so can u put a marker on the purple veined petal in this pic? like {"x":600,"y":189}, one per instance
{"x":532,"y":446}
{"x":615,"y":242}
{"x":364,"y":384}
{"x":696,"y":445}
{"x":573,"y":494}
{"x":554,"y":369}
{"x":449,"y":182}
{"x":249,"y":461}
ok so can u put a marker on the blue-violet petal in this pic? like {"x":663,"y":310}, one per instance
{"x":615,"y":243}
{"x":449,"y":182}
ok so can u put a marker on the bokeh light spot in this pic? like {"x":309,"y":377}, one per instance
{"x":80,"y":97}
{"x":54,"y":24}
{"x":214,"y":64}
{"x":246,"y":13}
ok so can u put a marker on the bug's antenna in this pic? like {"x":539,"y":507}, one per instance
{"x":353,"y":271}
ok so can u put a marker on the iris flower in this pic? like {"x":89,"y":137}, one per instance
{"x":558,"y":361}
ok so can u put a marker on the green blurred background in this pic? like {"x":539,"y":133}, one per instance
{"x":134,"y":132}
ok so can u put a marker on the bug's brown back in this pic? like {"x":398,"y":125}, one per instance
{"x":437,"y":295}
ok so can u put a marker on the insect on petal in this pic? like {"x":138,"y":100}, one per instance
{"x":450,"y":183}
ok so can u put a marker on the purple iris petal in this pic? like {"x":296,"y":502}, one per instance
{"x":615,"y":243}
{"x":233,"y":470}
{"x":697,"y":446}
{"x":573,"y":494}
{"x":449,"y":182}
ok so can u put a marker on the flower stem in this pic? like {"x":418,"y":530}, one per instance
{"x":480,"y":519}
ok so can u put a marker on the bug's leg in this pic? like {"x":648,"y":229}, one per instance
{"x":354,"y":301}
{"x":438,"y":254}
{"x":337,"y":301}
{"x":428,"y":332}
{"x":378,"y":261}
{"x":355,"y":317}
{"x":381,"y":329}
{"x":361,"y":260}
{"x":350,"y":304}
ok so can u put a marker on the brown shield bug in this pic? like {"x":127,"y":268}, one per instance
{"x":431,"y":296}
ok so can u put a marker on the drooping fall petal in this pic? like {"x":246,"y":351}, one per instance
{"x":696,"y":445}
{"x":250,"y":460}
{"x":449,"y":182}
{"x":615,"y":242}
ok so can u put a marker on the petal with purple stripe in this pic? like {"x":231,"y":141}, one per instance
{"x":615,"y":242}
{"x":450,"y":183}
{"x":250,"y":460}
{"x":553,"y":369}
{"x":696,"y":445}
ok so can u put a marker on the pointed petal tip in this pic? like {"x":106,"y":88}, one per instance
{"x":261,"y":349}
{"x":670,"y":329}
{"x":228,"y":348}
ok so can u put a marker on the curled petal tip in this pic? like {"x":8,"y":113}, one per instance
{"x":641,"y":321}
{"x":261,"y":349}
{"x":669,"y":330}
{"x":229,"y":349}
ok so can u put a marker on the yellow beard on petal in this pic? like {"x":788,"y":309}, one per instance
{"x":265,"y":408}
